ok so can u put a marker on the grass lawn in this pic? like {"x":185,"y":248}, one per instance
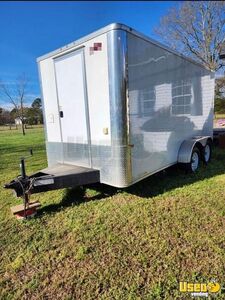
{"x":107,"y":243}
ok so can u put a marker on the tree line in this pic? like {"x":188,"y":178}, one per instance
{"x":31,"y":115}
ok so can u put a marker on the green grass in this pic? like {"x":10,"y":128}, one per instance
{"x":107,"y":243}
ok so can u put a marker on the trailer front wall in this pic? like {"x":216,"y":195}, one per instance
{"x":170,"y":100}
{"x":97,"y":94}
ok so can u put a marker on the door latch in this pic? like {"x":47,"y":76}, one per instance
{"x":61,"y":114}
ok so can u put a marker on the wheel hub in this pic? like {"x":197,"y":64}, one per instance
{"x":194,"y":161}
{"x":207,"y":153}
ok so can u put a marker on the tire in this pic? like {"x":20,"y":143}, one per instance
{"x":193,"y":165}
{"x":207,"y":153}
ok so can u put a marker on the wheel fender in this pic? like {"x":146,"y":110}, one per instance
{"x":186,"y":148}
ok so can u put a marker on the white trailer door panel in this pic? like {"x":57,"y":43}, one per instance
{"x":73,"y":107}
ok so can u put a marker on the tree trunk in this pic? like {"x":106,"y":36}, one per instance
{"x":23,"y":129}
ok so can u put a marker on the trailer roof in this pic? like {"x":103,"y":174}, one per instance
{"x":110,"y":27}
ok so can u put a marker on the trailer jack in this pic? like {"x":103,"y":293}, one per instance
{"x":22,"y":186}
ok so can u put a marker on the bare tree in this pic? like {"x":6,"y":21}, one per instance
{"x":197,"y":29}
{"x":16,"y":95}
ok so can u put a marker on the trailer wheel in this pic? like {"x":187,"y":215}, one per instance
{"x":207,"y":152}
{"x":193,"y":165}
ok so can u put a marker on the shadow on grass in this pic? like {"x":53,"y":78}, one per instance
{"x":174,"y":177}
{"x":76,"y":196}
{"x":154,"y":185}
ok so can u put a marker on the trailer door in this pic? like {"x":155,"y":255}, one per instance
{"x":73,"y":108}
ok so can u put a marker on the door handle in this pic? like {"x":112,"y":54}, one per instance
{"x":61,"y":114}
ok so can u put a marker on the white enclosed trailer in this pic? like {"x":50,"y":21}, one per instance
{"x":120,"y":103}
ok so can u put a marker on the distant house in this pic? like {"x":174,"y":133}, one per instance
{"x":18,"y":121}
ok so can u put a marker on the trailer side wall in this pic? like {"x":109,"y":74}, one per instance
{"x":170,"y":100}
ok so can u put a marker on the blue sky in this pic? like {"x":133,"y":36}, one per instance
{"x":30,"y":29}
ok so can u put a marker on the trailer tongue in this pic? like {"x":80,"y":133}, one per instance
{"x":56,"y":177}
{"x":63,"y":176}
{"x":52,"y":178}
